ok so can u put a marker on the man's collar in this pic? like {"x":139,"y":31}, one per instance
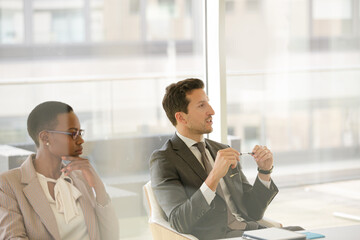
{"x":188,"y":141}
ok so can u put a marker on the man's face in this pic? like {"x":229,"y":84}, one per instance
{"x":199,"y":116}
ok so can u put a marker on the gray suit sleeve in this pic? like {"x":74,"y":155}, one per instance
{"x":254,"y":198}
{"x":257,"y":197}
{"x":182,"y":211}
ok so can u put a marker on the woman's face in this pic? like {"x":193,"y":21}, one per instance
{"x":64,"y":145}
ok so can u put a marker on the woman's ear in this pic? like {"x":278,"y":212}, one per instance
{"x":44,"y":138}
{"x":181,"y":117}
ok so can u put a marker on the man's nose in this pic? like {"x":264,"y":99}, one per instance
{"x":211,"y":110}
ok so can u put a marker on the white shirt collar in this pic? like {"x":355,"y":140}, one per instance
{"x":188,"y":141}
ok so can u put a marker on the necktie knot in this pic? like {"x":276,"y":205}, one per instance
{"x":200,"y":146}
{"x":204,"y":159}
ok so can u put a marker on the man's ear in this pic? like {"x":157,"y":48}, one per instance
{"x":181,"y":117}
{"x":44,"y":137}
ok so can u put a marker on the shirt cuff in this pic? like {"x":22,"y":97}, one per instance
{"x":98,"y":204}
{"x":209,"y":194}
{"x":105,"y":206}
{"x":266,"y":183}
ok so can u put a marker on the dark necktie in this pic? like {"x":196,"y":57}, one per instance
{"x":233,"y":223}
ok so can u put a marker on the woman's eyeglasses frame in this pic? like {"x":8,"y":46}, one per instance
{"x":74,"y":135}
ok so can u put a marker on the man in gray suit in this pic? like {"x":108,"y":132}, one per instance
{"x":198,"y":182}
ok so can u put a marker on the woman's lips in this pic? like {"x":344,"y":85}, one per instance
{"x":79,"y":151}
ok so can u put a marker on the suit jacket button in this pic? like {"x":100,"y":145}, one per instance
{"x":224,"y":209}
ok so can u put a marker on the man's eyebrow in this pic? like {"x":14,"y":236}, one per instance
{"x":204,"y":101}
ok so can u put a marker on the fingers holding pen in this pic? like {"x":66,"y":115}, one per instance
{"x":258,"y":152}
{"x":229,"y":154}
{"x":263,"y":157}
{"x":226,"y":158}
{"x":264,"y":154}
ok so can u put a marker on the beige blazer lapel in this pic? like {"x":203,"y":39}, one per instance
{"x":35,"y":194}
{"x":87,"y":208}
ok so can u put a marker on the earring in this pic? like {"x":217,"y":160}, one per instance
{"x":47,"y":144}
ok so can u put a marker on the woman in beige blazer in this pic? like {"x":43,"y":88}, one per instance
{"x":45,"y":199}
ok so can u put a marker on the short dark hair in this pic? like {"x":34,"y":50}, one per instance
{"x":175,"y":97}
{"x":43,"y":117}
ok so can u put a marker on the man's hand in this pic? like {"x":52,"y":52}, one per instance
{"x":225,"y":158}
{"x":264,"y":159}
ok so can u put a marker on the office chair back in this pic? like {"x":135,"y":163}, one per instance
{"x":159,"y":226}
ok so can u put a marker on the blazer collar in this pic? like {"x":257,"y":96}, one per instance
{"x":188,"y":141}
{"x":27,"y":170}
{"x":35,"y":194}
{"x":185,"y":153}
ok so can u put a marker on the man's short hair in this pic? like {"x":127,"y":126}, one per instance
{"x":175,"y":97}
{"x":44,"y":117}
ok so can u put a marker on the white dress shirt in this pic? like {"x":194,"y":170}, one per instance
{"x":206,"y":191}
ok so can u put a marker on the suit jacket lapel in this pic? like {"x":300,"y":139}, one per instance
{"x":235,"y":186}
{"x":87,"y":208}
{"x":185,"y":153}
{"x":233,"y":182}
{"x":35,"y":194}
{"x":231,"y":178}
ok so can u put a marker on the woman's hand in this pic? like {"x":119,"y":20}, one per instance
{"x":90,"y":175}
{"x":82,"y":164}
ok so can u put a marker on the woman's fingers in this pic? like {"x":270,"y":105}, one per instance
{"x":71,"y":158}
{"x":76,"y":164}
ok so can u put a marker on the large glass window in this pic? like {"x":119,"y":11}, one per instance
{"x":291,"y":84}
{"x":111,"y":61}
{"x":58,"y":21}
{"x":332,"y":18}
{"x":11,"y":21}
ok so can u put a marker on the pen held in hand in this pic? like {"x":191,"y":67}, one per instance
{"x":244,"y":153}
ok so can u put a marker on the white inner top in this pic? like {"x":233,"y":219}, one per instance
{"x":67,"y":210}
